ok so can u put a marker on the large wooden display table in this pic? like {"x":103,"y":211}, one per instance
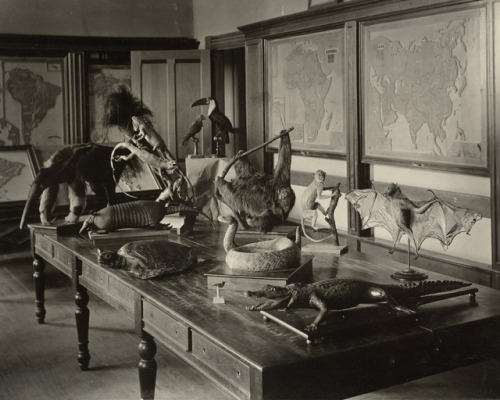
{"x":258,"y":359}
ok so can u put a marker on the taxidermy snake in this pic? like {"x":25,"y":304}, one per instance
{"x":268,"y":255}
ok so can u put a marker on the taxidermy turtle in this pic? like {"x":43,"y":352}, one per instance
{"x":148,"y":259}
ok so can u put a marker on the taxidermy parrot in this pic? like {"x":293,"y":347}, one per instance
{"x":216,"y":116}
{"x":74,"y":165}
{"x":195,"y":128}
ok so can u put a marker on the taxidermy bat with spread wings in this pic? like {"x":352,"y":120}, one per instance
{"x":434,"y":218}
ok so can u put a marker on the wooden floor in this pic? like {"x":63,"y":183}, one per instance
{"x":39,"y":361}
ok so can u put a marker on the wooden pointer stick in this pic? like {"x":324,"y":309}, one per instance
{"x":238,"y":156}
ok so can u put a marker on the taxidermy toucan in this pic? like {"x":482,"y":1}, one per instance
{"x":194,"y":129}
{"x":216,"y":116}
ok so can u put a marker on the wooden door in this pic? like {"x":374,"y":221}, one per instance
{"x":168,"y":82}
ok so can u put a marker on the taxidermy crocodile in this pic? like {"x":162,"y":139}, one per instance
{"x":148,"y":259}
{"x":339,"y":294}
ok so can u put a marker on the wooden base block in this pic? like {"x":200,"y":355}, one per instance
{"x":279,"y":230}
{"x":327,"y":248}
{"x":244,"y":280}
{"x":337,"y":323}
{"x":59,"y":227}
{"x":115,"y":240}
{"x":181,"y":224}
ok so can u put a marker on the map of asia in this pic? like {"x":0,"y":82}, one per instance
{"x":425,"y":87}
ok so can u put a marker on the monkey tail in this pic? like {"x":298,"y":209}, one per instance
{"x":310,"y":238}
{"x":114,"y":175}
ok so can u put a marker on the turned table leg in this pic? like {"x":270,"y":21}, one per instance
{"x":82,"y":326}
{"x":39,"y":279}
{"x":147,"y":366}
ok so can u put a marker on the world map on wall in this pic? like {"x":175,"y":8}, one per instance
{"x":425,"y":87}
{"x":306,"y":90}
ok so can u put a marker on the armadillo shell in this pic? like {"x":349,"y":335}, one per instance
{"x":148,"y":259}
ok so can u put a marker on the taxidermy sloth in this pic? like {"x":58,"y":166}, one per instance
{"x":259,"y":201}
{"x":74,"y":165}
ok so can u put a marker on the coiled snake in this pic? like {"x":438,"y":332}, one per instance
{"x":268,"y":255}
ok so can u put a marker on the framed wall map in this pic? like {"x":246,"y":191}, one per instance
{"x":305,"y":82}
{"x":424,"y":83}
{"x":31,"y":102}
{"x":104,"y":79}
{"x":18,"y":168}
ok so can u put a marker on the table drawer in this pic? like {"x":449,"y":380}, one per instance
{"x":63,"y":260}
{"x":94,"y":276}
{"x":221,"y":362}
{"x":44,"y":244}
{"x":121,"y":293}
{"x":165,"y":325}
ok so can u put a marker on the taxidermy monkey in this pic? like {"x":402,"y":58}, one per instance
{"x":74,"y":165}
{"x":310,"y":196}
{"x":310,"y":205}
{"x":257,"y":200}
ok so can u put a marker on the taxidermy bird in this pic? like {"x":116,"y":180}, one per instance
{"x":120,"y":107}
{"x":124,"y":110}
{"x":259,"y":201}
{"x":217,"y":117}
{"x":195,"y":128}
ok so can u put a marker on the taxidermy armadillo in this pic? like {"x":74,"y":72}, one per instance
{"x":148,"y":259}
{"x":134,"y":214}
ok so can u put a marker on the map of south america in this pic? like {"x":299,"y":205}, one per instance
{"x":35,"y":96}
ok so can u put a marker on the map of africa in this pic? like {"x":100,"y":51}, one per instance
{"x":306,"y":90}
{"x":425,"y":89}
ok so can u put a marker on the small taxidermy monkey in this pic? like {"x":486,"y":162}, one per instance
{"x":310,"y":205}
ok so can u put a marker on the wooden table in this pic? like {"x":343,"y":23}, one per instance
{"x":252,"y":358}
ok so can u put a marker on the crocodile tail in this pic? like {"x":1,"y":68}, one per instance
{"x":426,"y":287}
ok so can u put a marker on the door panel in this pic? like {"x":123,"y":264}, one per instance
{"x":168,"y":82}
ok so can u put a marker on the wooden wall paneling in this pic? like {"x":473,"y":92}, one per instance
{"x":254,"y":56}
{"x":187,"y":86}
{"x":74,"y":102}
{"x":495,"y":146}
{"x":229,"y":101}
{"x":357,"y":172}
{"x":217,"y":84}
{"x":239,"y":97}
{"x":168,"y":82}
{"x":337,"y":13}
{"x":227,"y":41}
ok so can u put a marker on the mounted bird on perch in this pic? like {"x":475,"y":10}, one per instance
{"x":195,"y":128}
{"x":215,"y":115}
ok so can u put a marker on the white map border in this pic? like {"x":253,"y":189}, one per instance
{"x":305,"y":147}
{"x":442,"y":162}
